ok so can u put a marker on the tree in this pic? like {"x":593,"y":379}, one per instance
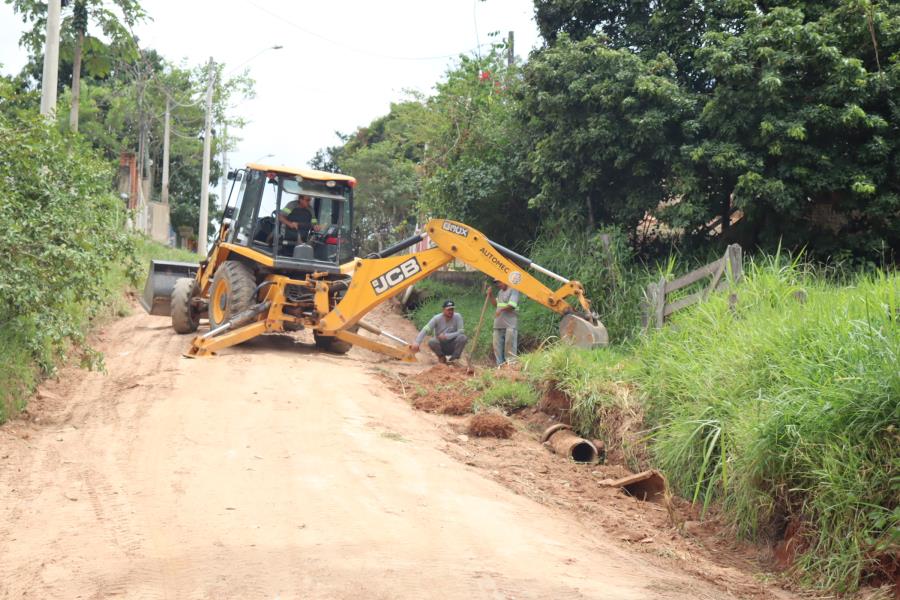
{"x":784,"y":110}
{"x":475,"y":170}
{"x":385,"y":196}
{"x":75,"y":29}
{"x":605,"y":129}
{"x":801,"y":130}
{"x":458,"y":154}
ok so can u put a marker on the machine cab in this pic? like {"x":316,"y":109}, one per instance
{"x":302,"y":218}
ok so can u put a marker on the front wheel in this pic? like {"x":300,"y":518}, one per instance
{"x":185,"y":316}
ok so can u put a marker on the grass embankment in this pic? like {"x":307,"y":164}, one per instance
{"x":783,"y":412}
{"x":26,"y":358}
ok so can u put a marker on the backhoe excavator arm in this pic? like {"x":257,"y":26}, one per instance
{"x":374,"y":280}
{"x":378,"y":279}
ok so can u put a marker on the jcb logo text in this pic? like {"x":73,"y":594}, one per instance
{"x":396,"y":276}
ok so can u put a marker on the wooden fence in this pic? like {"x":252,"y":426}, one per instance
{"x":725,"y":271}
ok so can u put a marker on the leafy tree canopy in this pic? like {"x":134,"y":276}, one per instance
{"x":783,"y":111}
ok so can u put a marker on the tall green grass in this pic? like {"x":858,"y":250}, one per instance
{"x":787,"y":407}
{"x":784,"y":407}
{"x":613,"y":282}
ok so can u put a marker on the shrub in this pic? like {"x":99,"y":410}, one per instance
{"x":62,"y":232}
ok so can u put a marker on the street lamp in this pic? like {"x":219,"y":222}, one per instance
{"x":266,"y":49}
{"x":205,"y":197}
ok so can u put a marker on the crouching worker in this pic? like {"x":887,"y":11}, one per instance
{"x":447,"y":329}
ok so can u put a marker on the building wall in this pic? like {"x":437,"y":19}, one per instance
{"x":158,"y":228}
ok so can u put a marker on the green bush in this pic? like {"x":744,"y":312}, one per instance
{"x":61,"y":233}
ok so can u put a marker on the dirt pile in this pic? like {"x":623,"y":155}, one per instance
{"x":441,"y":389}
{"x":491,"y":424}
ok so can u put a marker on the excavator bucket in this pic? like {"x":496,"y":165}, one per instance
{"x":157,"y":298}
{"x":581,"y":333}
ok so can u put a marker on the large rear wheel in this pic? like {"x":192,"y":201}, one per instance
{"x":185,"y":317}
{"x":231,"y":292}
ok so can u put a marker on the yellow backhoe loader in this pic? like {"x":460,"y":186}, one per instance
{"x":283,"y":261}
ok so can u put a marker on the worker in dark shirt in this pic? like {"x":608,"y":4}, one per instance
{"x":298,"y":216}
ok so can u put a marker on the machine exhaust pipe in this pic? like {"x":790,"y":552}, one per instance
{"x":563,"y":441}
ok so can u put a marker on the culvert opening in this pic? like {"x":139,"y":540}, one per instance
{"x":584,"y":452}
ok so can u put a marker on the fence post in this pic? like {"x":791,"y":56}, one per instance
{"x":736,"y":260}
{"x":647,"y":302}
{"x":660,"y":302}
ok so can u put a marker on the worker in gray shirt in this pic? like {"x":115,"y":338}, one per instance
{"x":506,"y":322}
{"x":447,"y":329}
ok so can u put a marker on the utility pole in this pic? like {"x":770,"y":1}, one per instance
{"x":510,"y":49}
{"x":204,"y":177}
{"x":51,"y":60}
{"x":164,"y":194}
{"x":224,"y":161}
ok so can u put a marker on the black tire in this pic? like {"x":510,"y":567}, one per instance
{"x":333,"y":345}
{"x":185,"y":318}
{"x":231,"y":292}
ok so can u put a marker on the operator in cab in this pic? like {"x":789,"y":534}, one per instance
{"x":298,"y":216}
{"x":449,"y":337}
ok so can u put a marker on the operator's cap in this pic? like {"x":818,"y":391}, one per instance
{"x":449,"y":304}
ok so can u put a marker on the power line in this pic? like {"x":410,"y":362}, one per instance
{"x":348,"y":47}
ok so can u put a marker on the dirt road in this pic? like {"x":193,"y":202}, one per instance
{"x":272,"y":471}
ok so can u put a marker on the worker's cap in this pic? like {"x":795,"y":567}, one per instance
{"x":449,"y":304}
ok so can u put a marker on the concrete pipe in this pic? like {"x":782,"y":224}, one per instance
{"x":563,"y":441}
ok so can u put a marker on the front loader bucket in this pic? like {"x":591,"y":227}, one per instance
{"x":582,"y":333}
{"x":160,"y":283}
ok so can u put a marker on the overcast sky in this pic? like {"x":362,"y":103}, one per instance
{"x":342,"y":64}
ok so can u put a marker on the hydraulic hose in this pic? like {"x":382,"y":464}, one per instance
{"x":410,"y":241}
{"x":525,"y":262}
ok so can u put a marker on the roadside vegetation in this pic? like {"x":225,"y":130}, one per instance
{"x":635,"y":133}
{"x":780,"y":415}
{"x":62,"y":234}
{"x":65,"y":256}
